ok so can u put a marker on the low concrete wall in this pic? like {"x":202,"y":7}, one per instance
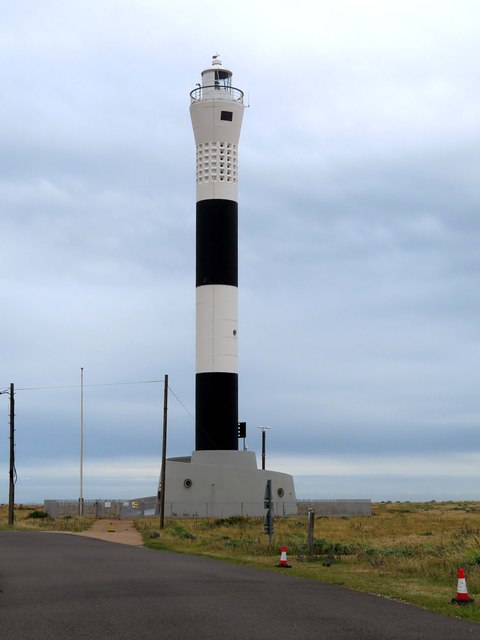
{"x":219,"y":509}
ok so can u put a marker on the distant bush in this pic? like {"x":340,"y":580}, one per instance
{"x":37,"y":514}
{"x":232,"y":521}
{"x":324,"y":547}
{"x":229,"y":522}
{"x":180,"y":531}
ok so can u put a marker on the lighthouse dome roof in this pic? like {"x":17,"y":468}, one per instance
{"x":217,"y":66}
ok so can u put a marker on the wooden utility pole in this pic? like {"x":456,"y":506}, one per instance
{"x":11,"y":492}
{"x":164,"y":454}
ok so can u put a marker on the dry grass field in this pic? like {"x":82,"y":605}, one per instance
{"x":28,"y":517}
{"x":406,"y":551}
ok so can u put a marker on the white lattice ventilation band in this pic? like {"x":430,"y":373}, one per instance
{"x":216,"y":162}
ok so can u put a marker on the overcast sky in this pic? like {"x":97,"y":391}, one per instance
{"x":359,"y":230}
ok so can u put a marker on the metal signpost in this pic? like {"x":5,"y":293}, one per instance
{"x":268,"y":522}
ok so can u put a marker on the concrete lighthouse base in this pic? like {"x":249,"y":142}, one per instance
{"x":224,"y":483}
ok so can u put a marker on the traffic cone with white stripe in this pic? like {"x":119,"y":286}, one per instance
{"x":462,"y":593}
{"x":283,"y":560}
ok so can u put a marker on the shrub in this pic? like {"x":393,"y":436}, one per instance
{"x":229,"y":522}
{"x":473,"y":557}
{"x":180,"y":531}
{"x":324,"y":547}
{"x":37,"y":514}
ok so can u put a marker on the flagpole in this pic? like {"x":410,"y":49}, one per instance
{"x":80,"y":503}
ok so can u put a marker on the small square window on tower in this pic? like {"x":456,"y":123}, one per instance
{"x":226,"y":115}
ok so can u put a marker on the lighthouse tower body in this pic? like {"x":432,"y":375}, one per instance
{"x":216,"y":111}
{"x":218,"y":479}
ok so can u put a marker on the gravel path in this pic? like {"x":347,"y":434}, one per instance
{"x":121,"y":531}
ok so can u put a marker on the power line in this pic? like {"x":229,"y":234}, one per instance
{"x":181,"y":403}
{"x":105,"y":384}
{"x":101,"y":384}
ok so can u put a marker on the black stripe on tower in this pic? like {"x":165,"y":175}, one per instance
{"x":216,"y":411}
{"x":217,"y":242}
{"x":216,"y":393}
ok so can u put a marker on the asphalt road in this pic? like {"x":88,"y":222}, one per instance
{"x":59,"y":586}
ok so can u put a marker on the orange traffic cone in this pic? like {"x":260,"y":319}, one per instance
{"x":462,"y":593}
{"x":283,"y":560}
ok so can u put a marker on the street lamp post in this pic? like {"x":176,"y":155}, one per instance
{"x":263,"y":430}
{"x":80,"y":501}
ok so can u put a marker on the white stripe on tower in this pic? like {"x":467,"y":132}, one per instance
{"x":216,"y":111}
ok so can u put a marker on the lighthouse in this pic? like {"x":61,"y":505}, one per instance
{"x":217,"y":479}
{"x":216,"y":112}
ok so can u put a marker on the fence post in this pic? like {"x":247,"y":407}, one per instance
{"x":310,"y":531}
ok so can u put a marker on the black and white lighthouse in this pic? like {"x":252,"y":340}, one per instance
{"x":216,"y":111}
{"x":218,"y":479}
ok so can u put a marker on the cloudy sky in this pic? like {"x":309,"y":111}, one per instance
{"x":359,"y":228}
